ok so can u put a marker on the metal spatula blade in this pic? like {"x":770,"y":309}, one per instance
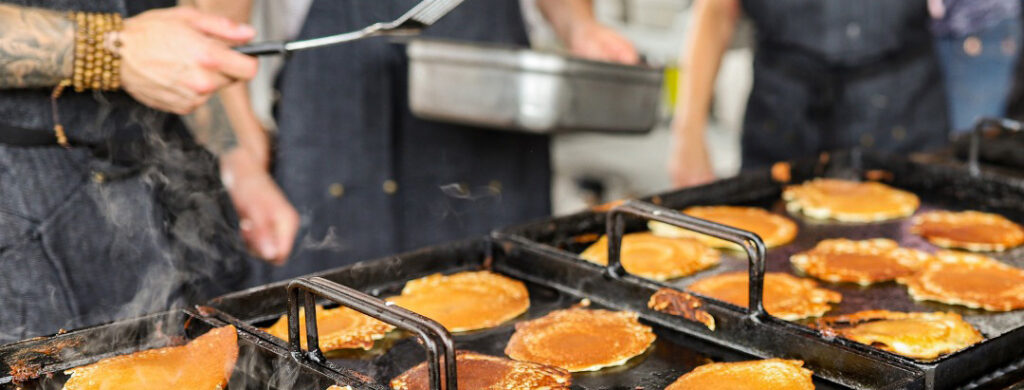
{"x":424,"y":14}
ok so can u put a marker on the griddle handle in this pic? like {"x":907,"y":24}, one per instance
{"x":750,"y":242}
{"x":436,"y":339}
{"x":973,"y":150}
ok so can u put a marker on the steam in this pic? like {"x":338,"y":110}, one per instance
{"x":330,"y":242}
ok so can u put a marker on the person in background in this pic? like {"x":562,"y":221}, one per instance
{"x":108,"y":207}
{"x":828,"y":74}
{"x":978,"y":42}
{"x":371,"y":179}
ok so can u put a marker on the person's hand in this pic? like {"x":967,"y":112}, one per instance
{"x":595,"y":41}
{"x":688,"y":164}
{"x":267,"y":220}
{"x":173,"y":59}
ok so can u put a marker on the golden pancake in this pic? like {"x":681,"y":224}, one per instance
{"x":203,"y":364}
{"x":338,"y":328}
{"x":465,"y":301}
{"x":653,"y":257}
{"x":970,"y":230}
{"x":849,"y":201}
{"x":862,"y":262}
{"x":975,"y":281}
{"x":580,"y":339}
{"x":775,"y":230}
{"x":923,"y":336}
{"x":769,"y":374}
{"x":785,"y":296}
{"x":485,"y":372}
{"x":678,"y":303}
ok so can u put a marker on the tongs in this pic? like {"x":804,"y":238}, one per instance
{"x":424,"y":14}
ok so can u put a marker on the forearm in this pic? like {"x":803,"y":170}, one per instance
{"x":565,"y":14}
{"x":713,"y":24}
{"x":36,"y":47}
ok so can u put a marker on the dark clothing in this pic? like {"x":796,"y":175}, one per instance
{"x":965,"y":17}
{"x":129,"y":220}
{"x":369,"y":178}
{"x":836,"y":74}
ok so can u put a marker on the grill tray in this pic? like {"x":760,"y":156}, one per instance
{"x":257,"y":367}
{"x":938,"y":186}
{"x":673,"y":354}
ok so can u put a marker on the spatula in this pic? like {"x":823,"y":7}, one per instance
{"x":424,"y":14}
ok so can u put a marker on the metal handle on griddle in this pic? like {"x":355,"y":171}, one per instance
{"x":973,"y":150}
{"x":436,"y":339}
{"x":751,"y":243}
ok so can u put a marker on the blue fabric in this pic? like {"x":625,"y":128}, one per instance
{"x":965,"y":17}
{"x":345,"y":122}
{"x":978,"y":86}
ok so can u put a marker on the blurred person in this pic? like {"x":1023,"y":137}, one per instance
{"x":978,"y":46}
{"x":371,"y":179}
{"x":108,"y":207}
{"x":828,"y":74}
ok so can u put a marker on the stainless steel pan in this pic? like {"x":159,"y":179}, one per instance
{"x":519,"y":89}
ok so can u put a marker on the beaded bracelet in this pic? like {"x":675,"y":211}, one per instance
{"x":97,"y":64}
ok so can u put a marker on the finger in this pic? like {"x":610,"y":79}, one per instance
{"x":222,"y":28}
{"x":287,"y":225}
{"x":230,"y":63}
{"x":203,"y":83}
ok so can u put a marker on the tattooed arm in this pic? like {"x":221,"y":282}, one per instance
{"x":36,"y":47}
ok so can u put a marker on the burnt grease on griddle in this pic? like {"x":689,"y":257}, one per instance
{"x":681,"y":304}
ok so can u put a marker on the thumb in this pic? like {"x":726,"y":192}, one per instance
{"x":222,"y":28}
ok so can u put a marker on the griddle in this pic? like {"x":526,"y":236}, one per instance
{"x":554,"y":282}
{"x":40,"y":363}
{"x":1001,"y":355}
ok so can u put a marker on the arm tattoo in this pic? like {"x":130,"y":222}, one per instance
{"x":212,"y":128}
{"x":36,"y":47}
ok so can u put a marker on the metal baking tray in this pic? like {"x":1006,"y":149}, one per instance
{"x":520,"y":89}
{"x":40,"y":363}
{"x":554,"y":283}
{"x":939,"y":186}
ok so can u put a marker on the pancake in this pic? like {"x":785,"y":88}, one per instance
{"x":970,"y":230}
{"x":862,"y":262}
{"x":775,"y":230}
{"x":485,"y":372}
{"x":922,"y":336}
{"x":203,"y":364}
{"x":769,"y":374}
{"x":465,"y":301}
{"x":580,"y":339}
{"x":785,"y":296}
{"x":975,"y":281}
{"x":849,"y":201}
{"x":678,"y":303}
{"x":338,"y":328}
{"x":653,"y":257}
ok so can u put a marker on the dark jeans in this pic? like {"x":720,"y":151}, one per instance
{"x":82,"y":242}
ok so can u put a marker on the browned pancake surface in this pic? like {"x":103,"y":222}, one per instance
{"x":653,"y":257}
{"x":678,"y":303}
{"x":338,"y":328}
{"x":580,"y":339}
{"x":923,"y":336}
{"x":970,"y":230}
{"x":785,"y":296}
{"x":863,"y":262}
{"x":970,"y":280}
{"x":775,"y":230}
{"x":465,"y":301}
{"x":849,"y":201}
{"x":769,"y":374}
{"x":203,"y":364}
{"x":485,"y":372}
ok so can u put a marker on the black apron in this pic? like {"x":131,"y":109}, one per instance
{"x":837,"y":74}
{"x":369,"y":178}
{"x":127,"y":221}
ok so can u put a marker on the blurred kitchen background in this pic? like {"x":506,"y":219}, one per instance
{"x":595,"y":168}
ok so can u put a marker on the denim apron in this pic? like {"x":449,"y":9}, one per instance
{"x":115,"y":226}
{"x":838,"y":74}
{"x":368,"y":177}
